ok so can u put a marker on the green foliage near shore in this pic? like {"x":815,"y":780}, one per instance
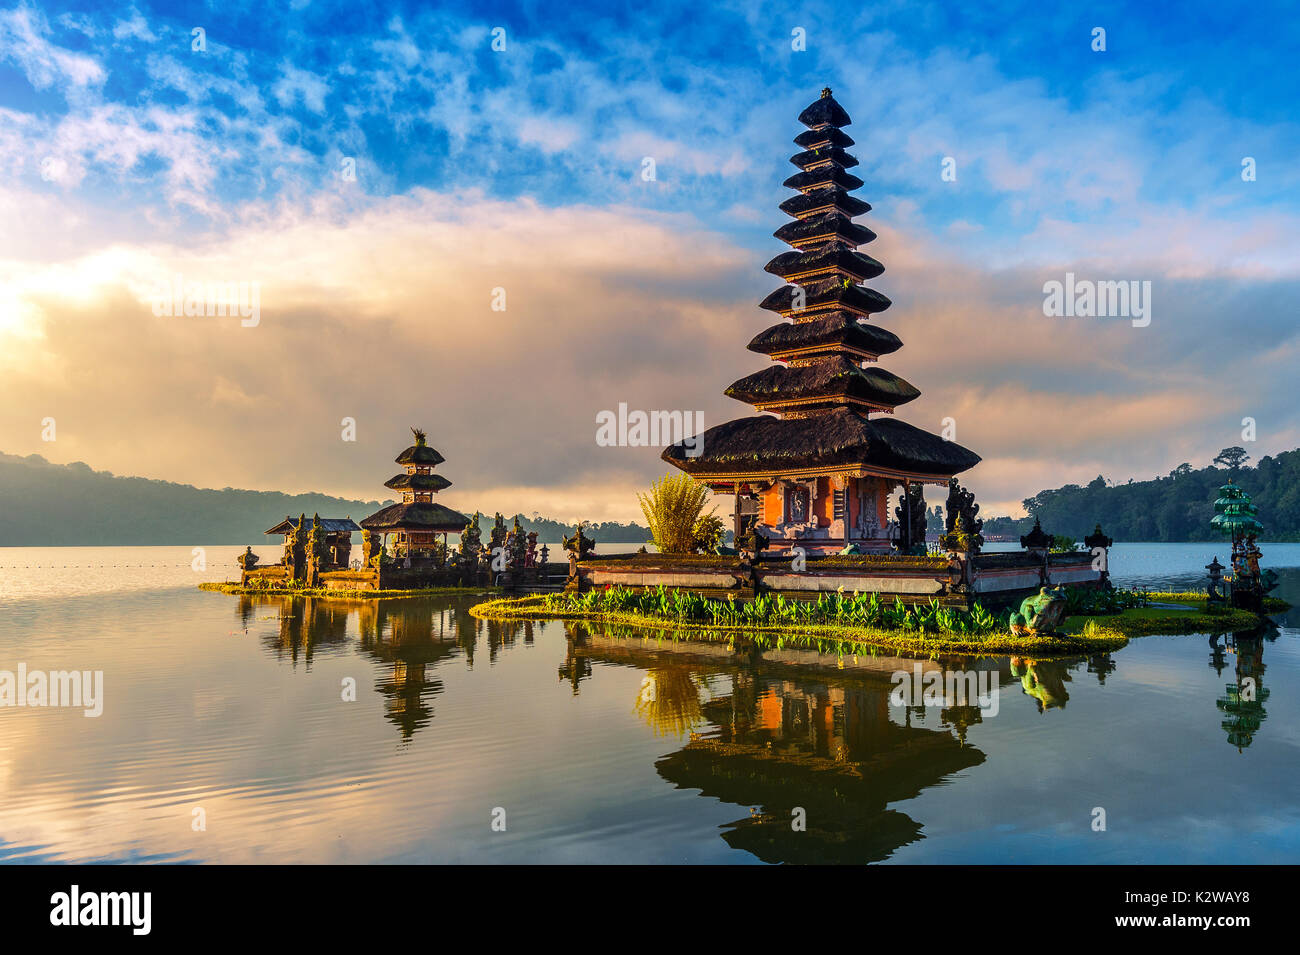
{"x":1089,"y":601}
{"x":833,"y":622}
{"x":856,"y":610}
{"x":1177,"y":507}
{"x":1099,"y":621}
{"x":1152,"y":621}
{"x":674,"y":512}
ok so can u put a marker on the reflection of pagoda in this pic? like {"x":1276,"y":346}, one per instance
{"x":306,"y":624}
{"x":413,"y":643}
{"x":782,"y":736}
{"x":1243,"y":701}
{"x":408,"y":637}
{"x":831,"y":750}
{"x":818,"y":465}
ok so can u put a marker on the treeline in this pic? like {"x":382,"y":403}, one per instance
{"x":1177,"y":507}
{"x":44,"y":504}
{"x":549,"y":530}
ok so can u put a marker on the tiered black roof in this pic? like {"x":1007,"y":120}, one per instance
{"x":825,"y":391}
{"x":825,"y":296}
{"x":835,"y":379}
{"x":764,"y":444}
{"x":835,"y":329}
{"x":417,"y":515}
{"x":418,"y":482}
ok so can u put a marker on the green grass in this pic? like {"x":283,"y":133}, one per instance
{"x":1101,"y":621}
{"x":1152,"y":621}
{"x":1197,"y":597}
{"x":842,"y":624}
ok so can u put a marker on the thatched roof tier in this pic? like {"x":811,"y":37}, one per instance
{"x":417,"y":482}
{"x":328,"y":525}
{"x":824,"y":200}
{"x":420,"y":454}
{"x":420,"y":516}
{"x":824,"y":228}
{"x":819,"y":393}
{"x":833,"y":259}
{"x":764,"y":446}
{"x":825,"y":112}
{"x":811,"y":157}
{"x":822,"y":177}
{"x":822,"y":296}
{"x":826,"y":136}
{"x":833,"y":379}
{"x":836,"y":331}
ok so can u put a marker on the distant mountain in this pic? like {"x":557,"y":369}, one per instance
{"x":1177,"y":507}
{"x":44,"y":504}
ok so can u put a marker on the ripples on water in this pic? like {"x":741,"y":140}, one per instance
{"x":609,"y":747}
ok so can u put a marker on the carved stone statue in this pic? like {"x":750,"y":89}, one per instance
{"x":580,"y":545}
{"x":911,"y":520}
{"x":1039,"y":614}
{"x":961,"y":505}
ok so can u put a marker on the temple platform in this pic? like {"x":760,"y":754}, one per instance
{"x":993,"y":580}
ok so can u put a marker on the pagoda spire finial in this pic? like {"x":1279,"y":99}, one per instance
{"x":420,"y":438}
{"x":826,"y":91}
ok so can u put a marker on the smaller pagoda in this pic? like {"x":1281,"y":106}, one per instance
{"x":417,"y":520}
{"x":1234,"y":515}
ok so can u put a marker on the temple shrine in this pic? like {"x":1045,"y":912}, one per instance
{"x":417,"y":520}
{"x":816,"y":468}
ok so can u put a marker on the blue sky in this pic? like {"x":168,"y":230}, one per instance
{"x":128,"y":151}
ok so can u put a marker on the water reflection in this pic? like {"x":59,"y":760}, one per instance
{"x":811,"y":751}
{"x":809,"y":748}
{"x":1044,"y":680}
{"x":1243,"y":701}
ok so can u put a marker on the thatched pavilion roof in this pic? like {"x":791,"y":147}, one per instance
{"x":811,"y":156}
{"x":837,"y":328}
{"x":833,"y":196}
{"x":825,"y":112}
{"x":815,"y":137}
{"x":419,"y":516}
{"x":836,"y":377}
{"x":417,"y":482}
{"x":847,"y":262}
{"x":844,"y":437}
{"x":825,"y":226}
{"x":420,"y":454}
{"x":829,"y":293}
{"x":824,"y":176}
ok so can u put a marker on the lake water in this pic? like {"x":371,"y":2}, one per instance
{"x":225,"y":737}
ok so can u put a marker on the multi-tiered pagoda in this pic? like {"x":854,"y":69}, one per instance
{"x":817,"y":470}
{"x":417,"y":520}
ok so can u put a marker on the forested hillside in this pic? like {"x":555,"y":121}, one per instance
{"x":44,"y":504}
{"x":1177,"y":507}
